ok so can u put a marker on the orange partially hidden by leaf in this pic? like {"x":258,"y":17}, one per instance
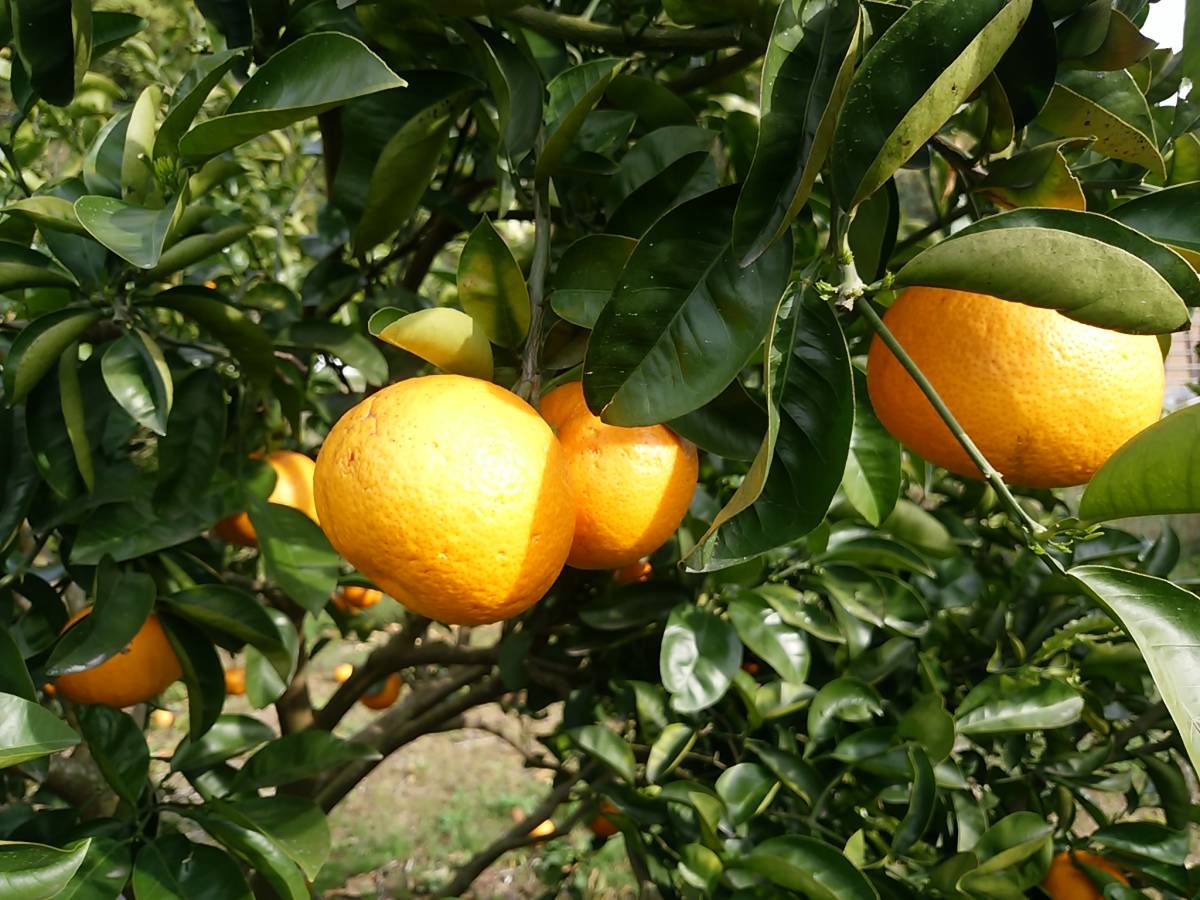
{"x":235,"y":681}
{"x":162,"y":718}
{"x":634,"y":573}
{"x":49,"y":689}
{"x":1067,"y":881}
{"x":353,"y":597}
{"x":293,"y":487}
{"x":342,"y":672}
{"x":543,"y":829}
{"x":137,"y":673}
{"x":384,"y":695}
{"x":602,"y":826}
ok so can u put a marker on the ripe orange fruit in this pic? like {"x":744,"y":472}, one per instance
{"x":352,"y":598}
{"x":1067,"y":881}
{"x":1047,"y":399}
{"x":49,"y":689}
{"x":293,"y":487}
{"x":602,"y":826}
{"x":384,"y":695}
{"x":632,"y":485}
{"x":543,"y":829}
{"x":134,"y":675}
{"x":235,"y":681}
{"x":162,"y":718}
{"x":634,"y":573}
{"x":342,"y":672}
{"x":451,"y":494}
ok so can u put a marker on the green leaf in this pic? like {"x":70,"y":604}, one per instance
{"x":123,"y":603}
{"x":102,"y":164}
{"x":763,"y":630}
{"x":872,"y":477}
{"x":669,"y":750}
{"x":134,"y":233}
{"x":74,"y":415}
{"x":491,"y":287}
{"x":172,"y":866}
{"x":294,"y":824}
{"x":1154,"y":473}
{"x":296,"y":553}
{"x":806,"y":74}
{"x":38,"y":872}
{"x":699,"y":868}
{"x":39,"y":346}
{"x":104,"y":873}
{"x":196,"y":248}
{"x":48,"y":212}
{"x":110,"y":29}
{"x":1083,"y":264}
{"x":1004,"y":705}
{"x":404,"y":170}
{"x":792,"y":771}
{"x":1148,"y":840}
{"x":927,"y":723}
{"x":119,"y":749}
{"x":309,"y":76}
{"x":53,"y":40}
{"x":138,"y":183}
{"x":515,"y":84}
{"x":138,"y":379}
{"x":264,"y":684}
{"x":232,"y":612}
{"x":295,"y":757}
{"x":652,"y":156}
{"x":810,"y":418}
{"x":811,"y":867}
{"x":21,"y":479}
{"x":699,"y":656}
{"x":188,"y":98}
{"x":230,"y":736}
{"x":731,"y":425}
{"x":346,"y":342}
{"x":846,"y":699}
{"x":28,"y":731}
{"x":910,"y":83}
{"x":655,"y":105}
{"x":922,"y":801}
{"x":747,"y":789}
{"x":1162,"y":620}
{"x":46,"y":428}
{"x":1171,"y":787}
{"x":202,"y":673}
{"x":228,"y":324}
{"x":442,"y":336}
{"x":14,"y":674}
{"x":1108,"y":107}
{"x":258,"y":851}
{"x":632,"y":607}
{"x":572,"y":94}
{"x":1122,"y":46}
{"x":687,"y":177}
{"x":1163,"y":216}
{"x":586,"y":275}
{"x":1014,"y":855}
{"x":684,"y":317}
{"x":189,"y":453}
{"x":1036,"y":177}
{"x":608,"y":747}
{"x":22,"y":267}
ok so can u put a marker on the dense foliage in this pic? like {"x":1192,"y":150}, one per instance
{"x":850,"y":675}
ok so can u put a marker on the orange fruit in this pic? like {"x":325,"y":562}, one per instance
{"x":543,"y":829}
{"x":49,"y":689}
{"x":384,"y":695}
{"x":352,"y":598}
{"x":137,"y":673}
{"x":235,"y":681}
{"x":451,"y":494}
{"x":632,"y":485}
{"x":162,"y":718}
{"x":634,"y":573}
{"x":602,"y":826}
{"x":342,"y":672}
{"x":1047,"y":399}
{"x":293,"y":487}
{"x":1067,"y":881}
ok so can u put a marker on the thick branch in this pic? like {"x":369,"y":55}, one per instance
{"x":579,"y":30}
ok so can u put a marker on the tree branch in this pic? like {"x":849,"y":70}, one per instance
{"x":714,"y":71}
{"x":579,"y":30}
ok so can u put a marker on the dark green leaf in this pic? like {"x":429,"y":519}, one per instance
{"x":138,"y":379}
{"x":1036,"y":177}
{"x":230,"y":736}
{"x":74,"y":414}
{"x":1163,"y":216}
{"x":259,"y":852}
{"x":228,"y":324}
{"x":49,"y":439}
{"x":123,"y":603}
{"x":188,"y":98}
{"x":110,"y":29}
{"x":202,"y":673}
{"x":1121,"y":47}
{"x":491,"y":287}
{"x":515,"y":84}
{"x":134,"y":233}
{"x":295,"y":757}
{"x":20,"y":471}
{"x":921,"y":803}
{"x":264,"y":684}
{"x":196,"y":248}
{"x":172,"y":867}
{"x":39,"y":347}
{"x":28,"y":731}
{"x":573,"y":94}
{"x":763,"y":630}
{"x":669,"y":749}
{"x":189,"y":452}
{"x":810,"y":867}
{"x":104,"y":873}
{"x":296,"y":553}
{"x":53,"y":40}
{"x":684,"y":317}
{"x":927,"y":723}
{"x":345,"y":342}
{"x":652,"y":156}
{"x":119,"y":749}
{"x":294,"y":824}
{"x":656,"y":105}
{"x":586,"y":276}
{"x":700,"y":653}
{"x":1014,"y":855}
{"x":14,"y":675}
{"x":747,"y":789}
{"x":872,"y":477}
{"x":1148,"y":840}
{"x":232,"y":612}
{"x":22,"y":267}
{"x":608,"y":747}
{"x":847,"y":699}
{"x":731,"y":425}
{"x":37,"y":872}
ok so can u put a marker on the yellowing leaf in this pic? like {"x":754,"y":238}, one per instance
{"x":444,"y":337}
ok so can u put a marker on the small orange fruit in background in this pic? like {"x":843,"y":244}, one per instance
{"x":1067,"y":881}
{"x":632,"y":486}
{"x":634,"y":573}
{"x":451,"y":494}
{"x":342,"y":672}
{"x":134,"y":675}
{"x":353,"y":597}
{"x":49,"y":689}
{"x":384,"y":695}
{"x":543,"y":829}
{"x":1047,"y":399}
{"x":235,"y":681}
{"x":162,"y":718}
{"x":602,"y":826}
{"x":293,"y":487}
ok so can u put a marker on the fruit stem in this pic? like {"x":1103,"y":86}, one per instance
{"x":530,"y":383}
{"x":994,"y":478}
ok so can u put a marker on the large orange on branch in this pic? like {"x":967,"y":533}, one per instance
{"x":1045,"y":398}
{"x":632,"y":486}
{"x":451,"y":494}
{"x":143,"y":669}
{"x":293,"y":487}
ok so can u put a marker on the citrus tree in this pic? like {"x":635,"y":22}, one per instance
{"x":609,"y":322}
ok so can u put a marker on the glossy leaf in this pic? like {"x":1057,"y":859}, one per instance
{"x":910,"y":83}
{"x":138,"y":379}
{"x":296,"y":553}
{"x":38,"y":872}
{"x":687,"y":177}
{"x":1163,"y":216}
{"x":1122,"y":46}
{"x":608,"y":747}
{"x":763,"y":630}
{"x":1013,"y":854}
{"x":515,"y":84}
{"x":190,"y":451}
{"x":48,"y":212}
{"x":747,"y":789}
{"x":188,"y":98}
{"x":202,"y":674}
{"x":228,"y":324}
{"x":811,"y":867}
{"x":172,"y":866}
{"x":29,"y":731}
{"x":294,"y":824}
{"x":846,"y":699}
{"x":123,"y":602}
{"x":134,"y":233}
{"x":264,"y":684}
{"x":53,"y":40}
{"x":1085,"y":265}
{"x":586,"y":275}
{"x":1036,"y":177}
{"x":22,"y":267}
{"x":297,"y":756}
{"x":1148,"y":840}
{"x":573,"y":94}
{"x":872,"y":477}
{"x":196,"y":248}
{"x":259,"y":852}
{"x":669,"y":749}
{"x":732,"y":424}
{"x":921,"y":803}
{"x":684,"y":317}
{"x":1160,"y":617}
{"x":491,"y":287}
{"x":807,"y":71}
{"x":700,"y":653}
{"x":138,"y":183}
{"x":810,"y":417}
{"x":233,"y":612}
{"x":46,"y":428}
{"x":74,"y":415}
{"x":443,"y":337}
{"x":104,"y":872}
{"x":20,"y":471}
{"x":14,"y":674}
{"x":119,"y":749}
{"x":1108,"y":107}
{"x":39,"y":347}
{"x":230,"y":736}
{"x":315,"y":73}
{"x":652,"y":155}
{"x":346,"y":342}
{"x":927,"y":723}
{"x":1004,"y":705}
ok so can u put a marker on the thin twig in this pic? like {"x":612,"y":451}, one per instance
{"x":579,"y":30}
